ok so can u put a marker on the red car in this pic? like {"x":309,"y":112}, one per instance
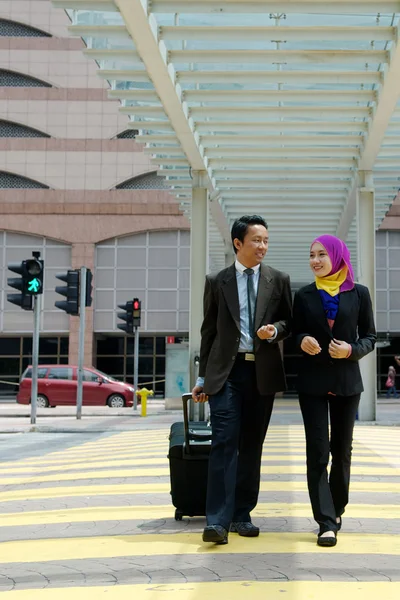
{"x":57,"y":386}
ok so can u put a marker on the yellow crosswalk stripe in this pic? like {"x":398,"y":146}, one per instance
{"x":290,"y":469}
{"x":27,"y":551}
{"x":162,"y":449}
{"x":156,"y":459}
{"x":231,"y":590}
{"x":150,"y":512}
{"x":164,"y":488}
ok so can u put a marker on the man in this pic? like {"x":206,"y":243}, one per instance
{"x":247,"y":311}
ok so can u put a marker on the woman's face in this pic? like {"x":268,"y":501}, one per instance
{"x":320,"y":262}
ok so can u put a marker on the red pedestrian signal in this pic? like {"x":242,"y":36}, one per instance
{"x":137,"y":308}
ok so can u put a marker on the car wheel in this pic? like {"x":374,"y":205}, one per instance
{"x":42,"y":401}
{"x":116,"y":401}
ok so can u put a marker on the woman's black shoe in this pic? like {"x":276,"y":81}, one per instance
{"x":327,"y":541}
{"x":339,"y":524}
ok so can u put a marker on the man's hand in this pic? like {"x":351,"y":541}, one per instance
{"x":198,"y":395}
{"x":266,"y":332}
{"x":339,"y":349}
{"x":310,"y":345}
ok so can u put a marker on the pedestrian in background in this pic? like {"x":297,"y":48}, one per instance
{"x":391,"y":383}
{"x":333,"y":325}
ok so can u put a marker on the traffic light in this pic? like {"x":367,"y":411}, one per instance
{"x":24,"y":300}
{"x":89,"y":287}
{"x":34,"y":270}
{"x":137,"y":308}
{"x":126,"y":316}
{"x":70,"y":291}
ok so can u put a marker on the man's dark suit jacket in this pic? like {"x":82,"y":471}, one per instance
{"x":354,"y":324}
{"x":220,"y":332}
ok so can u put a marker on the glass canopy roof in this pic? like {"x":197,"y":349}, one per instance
{"x":281,"y":103}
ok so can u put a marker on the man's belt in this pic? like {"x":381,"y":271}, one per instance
{"x":247,"y":356}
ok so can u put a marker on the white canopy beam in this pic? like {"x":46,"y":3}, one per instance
{"x":278,"y":6}
{"x":292,"y":96}
{"x":299,"y":57}
{"x":259,"y":77}
{"x":294,"y":141}
{"x":277,"y":33}
{"x":291,"y":126}
{"x":236,"y":150}
{"x":267,"y":112}
{"x":285,"y":171}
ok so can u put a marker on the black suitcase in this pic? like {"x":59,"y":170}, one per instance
{"x":189,"y":449}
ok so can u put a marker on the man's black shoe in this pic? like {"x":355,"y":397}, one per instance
{"x":216,"y":534}
{"x":247,"y":529}
{"x":328,"y":541}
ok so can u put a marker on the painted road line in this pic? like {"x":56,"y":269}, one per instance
{"x":183,"y":544}
{"x":290,"y":469}
{"x":232,"y":590}
{"x":164,"y":488}
{"x":150,"y":512}
{"x":161,"y":460}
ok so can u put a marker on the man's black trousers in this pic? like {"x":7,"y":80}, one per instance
{"x":239,"y":420}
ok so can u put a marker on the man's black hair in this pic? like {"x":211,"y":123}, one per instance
{"x":241,"y":226}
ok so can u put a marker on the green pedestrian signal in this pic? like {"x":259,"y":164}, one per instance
{"x":34,"y":286}
{"x":33,"y":276}
{"x":29,"y":283}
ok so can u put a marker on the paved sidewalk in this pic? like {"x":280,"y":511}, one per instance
{"x":88,"y":515}
{"x":16,"y":418}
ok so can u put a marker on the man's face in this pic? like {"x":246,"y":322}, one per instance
{"x":254,"y":247}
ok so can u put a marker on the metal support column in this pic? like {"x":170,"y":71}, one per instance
{"x":198,"y":270}
{"x":135,"y":367}
{"x":35,"y":357}
{"x":81,"y":351}
{"x":366,"y":276}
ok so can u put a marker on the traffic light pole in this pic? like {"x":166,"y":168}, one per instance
{"x":81,"y":350}
{"x":135,"y":368}
{"x":35,"y":357}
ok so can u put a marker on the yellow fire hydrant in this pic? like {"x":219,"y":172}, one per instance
{"x":143,"y":393}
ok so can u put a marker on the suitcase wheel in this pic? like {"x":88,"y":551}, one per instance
{"x":178,"y":515}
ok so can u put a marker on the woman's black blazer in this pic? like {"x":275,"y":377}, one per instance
{"x":354,"y":323}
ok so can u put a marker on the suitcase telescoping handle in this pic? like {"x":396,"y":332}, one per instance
{"x":185,"y":401}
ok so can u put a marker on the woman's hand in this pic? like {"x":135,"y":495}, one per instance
{"x":339,"y":349}
{"x":310,"y":345}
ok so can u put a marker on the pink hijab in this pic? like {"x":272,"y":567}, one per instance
{"x":339,"y":254}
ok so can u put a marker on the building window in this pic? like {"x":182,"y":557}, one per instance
{"x":14,"y":29}
{"x":151,"y":359}
{"x":128,"y":134}
{"x":12,"y":79}
{"x":16,"y":355}
{"x":153,"y":266}
{"x":11,"y":181}
{"x":9,"y":129}
{"x":148,"y":181}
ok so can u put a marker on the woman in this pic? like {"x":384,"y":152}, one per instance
{"x":391,"y":382}
{"x":334,"y":327}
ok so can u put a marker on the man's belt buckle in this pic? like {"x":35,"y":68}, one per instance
{"x":249,"y":356}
